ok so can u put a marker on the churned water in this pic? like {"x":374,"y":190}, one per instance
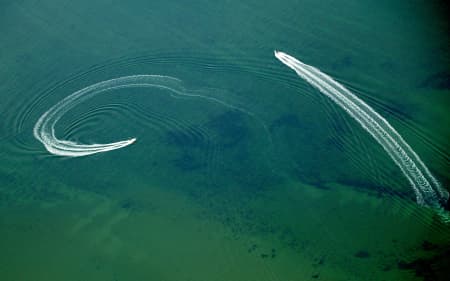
{"x":163,"y":140}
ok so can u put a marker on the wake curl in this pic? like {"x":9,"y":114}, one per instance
{"x":44,"y":129}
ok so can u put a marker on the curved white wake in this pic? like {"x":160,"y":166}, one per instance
{"x":427,"y":189}
{"x":44,"y":129}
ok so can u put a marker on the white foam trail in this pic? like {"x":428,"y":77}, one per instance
{"x":44,"y":129}
{"x":427,"y":189}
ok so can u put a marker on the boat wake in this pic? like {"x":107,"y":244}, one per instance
{"x":44,"y":129}
{"x":428,"y":190}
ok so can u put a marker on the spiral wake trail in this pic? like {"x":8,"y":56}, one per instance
{"x":44,"y":129}
{"x":428,"y":190}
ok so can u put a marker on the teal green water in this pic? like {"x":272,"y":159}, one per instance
{"x":282,"y":186}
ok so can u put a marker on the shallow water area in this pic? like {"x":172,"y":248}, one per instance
{"x":250,"y":173}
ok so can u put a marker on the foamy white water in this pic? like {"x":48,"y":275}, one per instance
{"x":44,"y":129}
{"x":427,"y":189}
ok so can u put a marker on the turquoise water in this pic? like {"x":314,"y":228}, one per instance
{"x":257,"y":177}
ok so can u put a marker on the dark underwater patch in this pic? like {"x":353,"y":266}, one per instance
{"x":134,"y":206}
{"x":373,"y":188}
{"x":184,"y":139}
{"x":296,"y":139}
{"x":230,"y":127}
{"x":388,"y":65}
{"x":344,"y":62}
{"x":362,"y":254}
{"x":439,"y":81}
{"x":191,"y":146}
{"x":434,"y":268}
{"x":286,"y":120}
{"x":188,"y":162}
{"x":428,"y":246}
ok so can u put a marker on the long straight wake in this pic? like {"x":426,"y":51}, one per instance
{"x":428,"y":190}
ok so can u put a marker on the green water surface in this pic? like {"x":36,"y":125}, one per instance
{"x":281,"y":186}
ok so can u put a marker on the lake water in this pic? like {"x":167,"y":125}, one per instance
{"x":250,"y":173}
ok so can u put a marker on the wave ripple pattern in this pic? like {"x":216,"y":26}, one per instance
{"x":427,"y":189}
{"x":44,"y":129}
